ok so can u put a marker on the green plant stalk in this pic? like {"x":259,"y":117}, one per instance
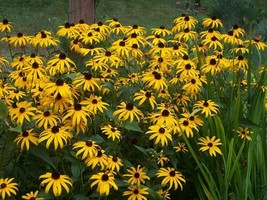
{"x":205,"y":175}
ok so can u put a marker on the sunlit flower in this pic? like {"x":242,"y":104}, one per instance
{"x":111,"y":132}
{"x":56,"y":181}
{"x":156,"y":39}
{"x":88,"y":149}
{"x":161,"y":31}
{"x":155,"y":79}
{"x":24,"y":112}
{"x":171,"y":177}
{"x":19,"y":40}
{"x":210,"y":144}
{"x":104,"y":181}
{"x":161,"y":133}
{"x":32,"y":196}
{"x":143,"y":96}
{"x":58,"y":135}
{"x":100,"y":159}
{"x":207,"y":107}
{"x":164,"y":115}
{"x":128,"y":111}
{"x":138,"y":30}
{"x":140,"y":40}
{"x":68,"y":30}
{"x":136,"y":175}
{"x":238,"y":31}
{"x":60,"y":63}
{"x":46,"y":118}
{"x":91,"y":37}
{"x":44,"y":39}
{"x":114,"y":162}
{"x":121,"y":48}
{"x":58,"y":87}
{"x":25,"y":138}
{"x":7,"y":187}
{"x":213,"y":22}
{"x":164,"y":193}
{"x":186,"y":35}
{"x":136,"y":193}
{"x":183,"y":22}
{"x":187,"y":127}
{"x":95,"y":104}
{"x":5,"y":26}
{"x":162,"y":159}
{"x":212,"y":42}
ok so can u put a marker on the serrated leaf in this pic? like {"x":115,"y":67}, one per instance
{"x":132,"y":126}
{"x":3,"y":109}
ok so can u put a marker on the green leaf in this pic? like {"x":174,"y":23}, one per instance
{"x":42,"y":153}
{"x":144,"y":151}
{"x":75,"y":170}
{"x":154,"y":194}
{"x":80,"y":197}
{"x":97,"y":138}
{"x":17,"y":129}
{"x":245,"y":122}
{"x":3,"y":109}
{"x":133,"y":126}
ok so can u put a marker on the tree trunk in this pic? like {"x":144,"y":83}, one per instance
{"x":82,"y":10}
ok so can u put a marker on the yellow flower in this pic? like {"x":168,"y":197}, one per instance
{"x":206,"y":107}
{"x":244,"y":133}
{"x":143,"y":96}
{"x":100,"y":159}
{"x":68,"y":30}
{"x":104,"y":182}
{"x":161,"y":133}
{"x":180,"y":148}
{"x":24,"y":112}
{"x":128,"y":111}
{"x":213,"y":22}
{"x":136,"y":193}
{"x":19,"y":40}
{"x":136,"y":175}
{"x":56,"y":181}
{"x":57,"y":134}
{"x":44,"y":39}
{"x":111,"y":132}
{"x":59,"y":87}
{"x":155,"y":79}
{"x":7,"y":188}
{"x":114,"y":162}
{"x":32,"y":196}
{"x":138,"y":30}
{"x":46,"y":118}
{"x":164,"y":116}
{"x":5,"y":26}
{"x":95,"y":104}
{"x":88,"y":149}
{"x":161,"y":31}
{"x":173,"y":178}
{"x":25,"y":138}
{"x":210,"y":144}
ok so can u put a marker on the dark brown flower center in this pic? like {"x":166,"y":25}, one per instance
{"x":172,"y":173}
{"x":32,"y":198}
{"x":55,"y":129}
{"x":157,"y":75}
{"x":60,"y":82}
{"x":185,"y":123}
{"x":129,"y":106}
{"x":161,"y":130}
{"x":113,"y":129}
{"x":90,"y":34}
{"x":136,"y":191}
{"x":214,"y":18}
{"x":210,"y":144}
{"x":136,"y":175}
{"x":89,"y":143}
{"x":210,"y":30}
{"x":25,"y":133}
{"x":43,"y":35}
{"x":160,"y":45}
{"x":206,"y":104}
{"x":108,"y":53}
{"x":3,"y":185}
{"x":193,"y":81}
{"x":21,"y":59}
{"x":157,"y":36}
{"x":191,"y":118}
{"x":122,"y":44}
{"x":100,"y":24}
{"x":115,"y":159}
{"x":88,"y":76}
{"x":135,"y":26}
{"x":185,"y":57}
{"x":235,"y":26}
{"x":135,"y":46}
{"x":104,"y":177}
{"x":5,"y":21}
{"x":230,"y":33}
{"x":214,"y":39}
{"x":77,"y":107}
{"x":35,"y":65}
{"x":175,"y":47}
{"x":165,"y":113}
{"x":67,"y":25}
{"x":46,"y":113}
{"x":55,"y":175}
{"x":187,"y":66}
{"x":160,"y":59}
{"x":22,"y":110}
{"x":20,"y":35}
{"x":133,"y":35}
{"x":148,"y":94}
{"x":212,"y":61}
{"x":240,"y":57}
{"x":94,"y":101}
{"x":99,"y":154}
{"x":186,"y":30}
{"x":186,"y":18}
{"x":62,"y":56}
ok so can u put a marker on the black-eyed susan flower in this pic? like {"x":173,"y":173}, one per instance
{"x":142,"y":96}
{"x":95,"y":104}
{"x":24,"y":112}
{"x":88,"y":149}
{"x":160,"y":50}
{"x":60,"y":63}
{"x":121,"y":48}
{"x":104,"y":181}
{"x":25,"y":138}
{"x":118,"y":29}
{"x":19,"y":40}
{"x":238,"y":31}
{"x":58,"y":135}
{"x":136,"y":193}
{"x":187,"y":127}
{"x":155,"y":80}
{"x":91,"y":50}
{"x":82,"y":26}
{"x":108,"y":58}
{"x":212,"y":22}
{"x":186,"y":35}
{"x":103,"y":28}
{"x":206,"y":107}
{"x":241,"y":62}
{"x":257,"y":41}
{"x":86,"y":81}
{"x":164,"y":193}
{"x":136,"y":29}
{"x":161,"y":133}
{"x":136,"y":51}
{"x":46,"y":119}
{"x":58,"y":87}
{"x":180,"y":148}
{"x":161,"y":31}
{"x":77,"y":113}
{"x":164,"y":116}
{"x":162,"y":159}
{"x":172,"y":178}
{"x":244,"y":133}
{"x":32,"y":196}
{"x":44,"y":39}
{"x":212,"y":65}
{"x":68,"y":30}
{"x":76,"y":45}
{"x":156,"y":39}
{"x":183,"y":22}
{"x":136,"y":175}
{"x":35,"y":72}
{"x":7,"y":187}
{"x":114,"y":162}
{"x":210,"y":33}
{"x":56,"y":182}
{"x":18,"y":62}
{"x":178,"y":50}
{"x":90,"y":37}
{"x":240,"y":49}
{"x":140,"y":40}
{"x":210,"y":144}
{"x":128,"y":111}
{"x":5,"y":26}
{"x":112,"y":132}
{"x":101,"y":160}
{"x":213,"y":42}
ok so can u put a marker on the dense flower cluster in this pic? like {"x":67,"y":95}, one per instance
{"x":132,"y":93}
